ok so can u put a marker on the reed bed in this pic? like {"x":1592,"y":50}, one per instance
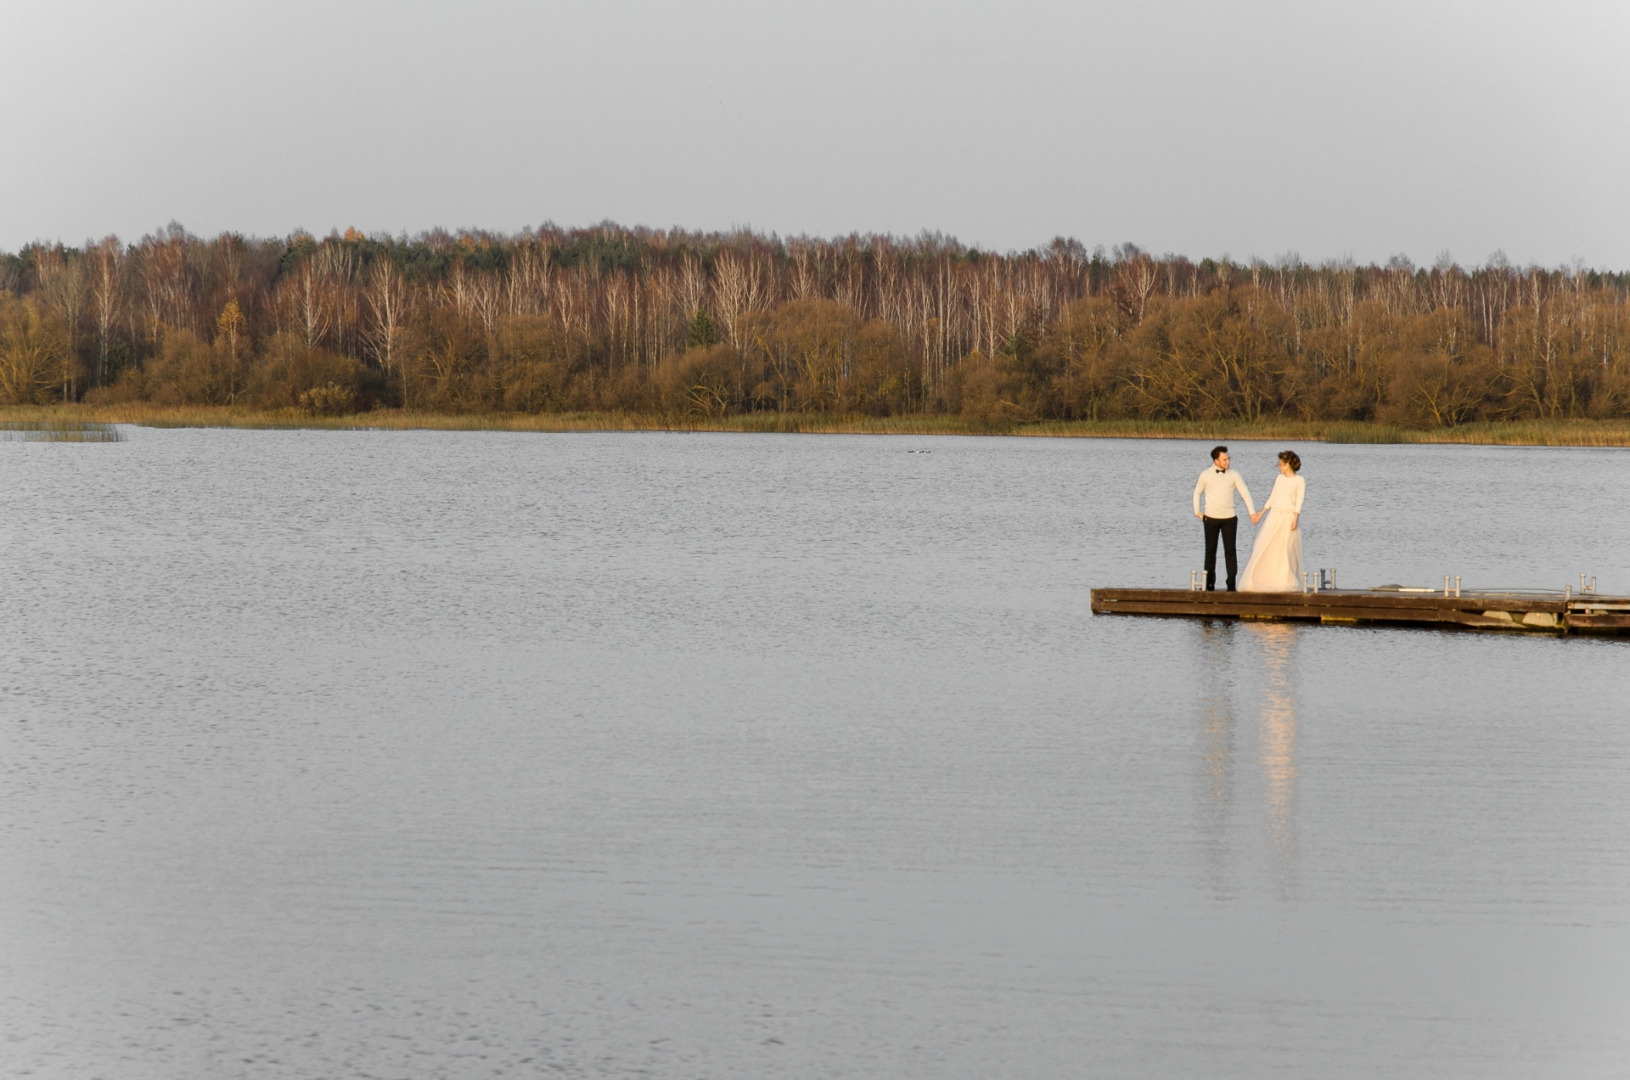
{"x":92,"y":423}
{"x":1532,"y":433}
{"x":57,"y":430}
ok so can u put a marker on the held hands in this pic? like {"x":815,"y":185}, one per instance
{"x":1256,"y":517}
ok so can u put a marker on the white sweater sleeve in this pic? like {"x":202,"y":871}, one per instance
{"x":1199,"y":486}
{"x":1298,"y":489}
{"x":1239,"y":482}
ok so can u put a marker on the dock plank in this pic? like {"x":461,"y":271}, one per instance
{"x":1506,"y":610}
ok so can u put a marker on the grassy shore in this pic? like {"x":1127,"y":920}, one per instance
{"x":1514,"y":433}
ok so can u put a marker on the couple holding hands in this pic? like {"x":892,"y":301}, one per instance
{"x":1276,"y":556}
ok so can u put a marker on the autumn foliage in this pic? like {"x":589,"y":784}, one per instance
{"x":684,"y":324}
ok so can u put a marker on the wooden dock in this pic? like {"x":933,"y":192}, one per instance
{"x":1533,"y":612}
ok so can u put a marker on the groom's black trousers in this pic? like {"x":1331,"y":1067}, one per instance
{"x":1226,"y":527}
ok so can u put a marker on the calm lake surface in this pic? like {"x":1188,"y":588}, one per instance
{"x":369,"y":754}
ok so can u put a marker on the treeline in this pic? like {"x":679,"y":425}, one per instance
{"x":677,"y":323}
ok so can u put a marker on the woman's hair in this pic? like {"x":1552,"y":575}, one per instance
{"x":1289,"y":458}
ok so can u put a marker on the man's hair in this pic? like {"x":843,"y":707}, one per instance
{"x":1218,"y":451}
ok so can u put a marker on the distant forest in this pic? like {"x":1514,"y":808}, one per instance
{"x":675,"y":323}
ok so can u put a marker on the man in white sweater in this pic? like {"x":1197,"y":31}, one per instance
{"x":1218,"y":484}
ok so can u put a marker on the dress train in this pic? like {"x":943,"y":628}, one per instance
{"x":1276,"y":557}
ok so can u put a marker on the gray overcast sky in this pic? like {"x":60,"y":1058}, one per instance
{"x":1252,"y":127}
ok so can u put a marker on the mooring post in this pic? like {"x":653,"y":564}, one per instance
{"x":1457,"y":586}
{"x":1446,"y":586}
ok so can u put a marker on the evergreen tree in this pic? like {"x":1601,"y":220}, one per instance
{"x":699,"y":332}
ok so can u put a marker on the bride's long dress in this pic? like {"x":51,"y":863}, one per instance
{"x":1276,"y":557}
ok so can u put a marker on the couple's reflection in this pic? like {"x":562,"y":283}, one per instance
{"x":1217,"y":641}
{"x":1231,"y":653}
{"x":1276,"y":736}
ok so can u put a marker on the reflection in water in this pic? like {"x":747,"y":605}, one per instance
{"x":1253,"y":653}
{"x":1217,"y":641}
{"x":1276,"y":734}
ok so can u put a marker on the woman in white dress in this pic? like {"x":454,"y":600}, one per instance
{"x":1276,"y":557}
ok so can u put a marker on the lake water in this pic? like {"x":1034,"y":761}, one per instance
{"x":369,"y":754}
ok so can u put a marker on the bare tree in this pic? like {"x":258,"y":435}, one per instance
{"x":740,"y":288}
{"x":526,"y":281}
{"x":387,"y":298}
{"x":692,"y":285}
{"x":311,"y":304}
{"x":32,"y":345}
{"x":108,"y":287}
{"x":66,"y":288}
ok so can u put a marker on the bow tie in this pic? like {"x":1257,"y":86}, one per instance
{"x":1222,"y":470}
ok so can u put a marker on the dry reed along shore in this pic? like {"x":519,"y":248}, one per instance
{"x":1509,"y":433}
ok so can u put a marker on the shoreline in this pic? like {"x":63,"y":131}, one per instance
{"x":1603,"y":433}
